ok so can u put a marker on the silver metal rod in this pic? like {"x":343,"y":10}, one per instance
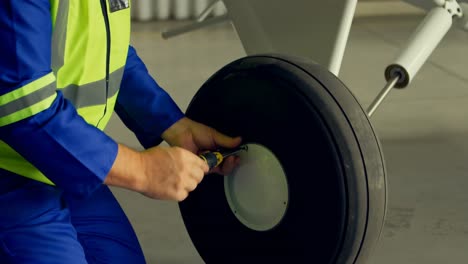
{"x":193,"y":26}
{"x":205,"y":13}
{"x":379,"y":99}
{"x":229,"y":153}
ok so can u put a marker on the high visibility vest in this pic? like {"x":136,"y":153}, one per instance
{"x":89,"y":49}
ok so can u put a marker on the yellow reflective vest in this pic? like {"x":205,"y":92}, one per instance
{"x":89,"y":49}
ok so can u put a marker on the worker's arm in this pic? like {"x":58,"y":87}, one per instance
{"x":152,"y":115}
{"x":35,"y":120}
{"x":143,"y":106}
{"x":44,"y":127}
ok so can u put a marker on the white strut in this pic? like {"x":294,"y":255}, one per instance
{"x":420,"y":46}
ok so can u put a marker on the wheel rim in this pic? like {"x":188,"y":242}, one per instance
{"x":257,"y":191}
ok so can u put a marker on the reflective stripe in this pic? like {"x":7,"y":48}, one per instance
{"x":59,"y":36}
{"x":28,"y":100}
{"x":27,"y":89}
{"x":27,"y":112}
{"x":93,"y":93}
{"x":116,"y":5}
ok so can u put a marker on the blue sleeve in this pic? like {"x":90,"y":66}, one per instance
{"x":144,"y":107}
{"x":71,"y":153}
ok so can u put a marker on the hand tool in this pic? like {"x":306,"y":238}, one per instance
{"x":214,"y":158}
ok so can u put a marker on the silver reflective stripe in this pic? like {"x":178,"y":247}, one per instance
{"x":59,"y":36}
{"x":93,"y":93}
{"x":116,"y":5}
{"x":28,"y":100}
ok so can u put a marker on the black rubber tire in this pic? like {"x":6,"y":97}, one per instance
{"x":328,"y":150}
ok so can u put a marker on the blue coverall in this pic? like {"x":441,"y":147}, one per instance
{"x":78,"y":220}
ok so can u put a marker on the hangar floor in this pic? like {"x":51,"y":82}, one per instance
{"x":424,"y":131}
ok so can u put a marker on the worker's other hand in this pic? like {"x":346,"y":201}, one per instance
{"x":170,"y":173}
{"x":197,"y":137}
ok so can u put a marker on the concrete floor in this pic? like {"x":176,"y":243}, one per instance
{"x":424,"y":131}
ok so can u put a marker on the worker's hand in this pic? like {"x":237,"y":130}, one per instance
{"x":171,"y":173}
{"x":159,"y":172}
{"x":197,"y":137}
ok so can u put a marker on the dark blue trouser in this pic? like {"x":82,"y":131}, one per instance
{"x":38,"y":224}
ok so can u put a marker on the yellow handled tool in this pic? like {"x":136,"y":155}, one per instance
{"x":214,"y":158}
